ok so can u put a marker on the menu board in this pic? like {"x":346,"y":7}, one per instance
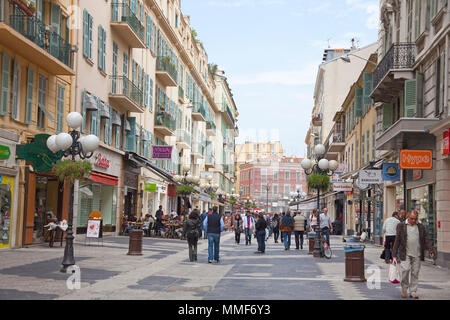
{"x":93,"y":229}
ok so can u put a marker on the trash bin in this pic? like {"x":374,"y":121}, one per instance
{"x":311,"y":240}
{"x":135,"y":244}
{"x":354,"y":263}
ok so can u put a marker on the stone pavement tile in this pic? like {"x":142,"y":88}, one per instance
{"x":11,"y":294}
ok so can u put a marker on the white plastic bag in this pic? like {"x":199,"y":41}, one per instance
{"x":394,"y":272}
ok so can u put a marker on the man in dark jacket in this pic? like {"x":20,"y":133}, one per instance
{"x":287,"y":225}
{"x":159,"y":224}
{"x":261,"y":226}
{"x":191,"y":232}
{"x":213,"y":226}
{"x":410,"y":244}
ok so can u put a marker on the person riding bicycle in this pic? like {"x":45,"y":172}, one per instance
{"x":325,"y":225}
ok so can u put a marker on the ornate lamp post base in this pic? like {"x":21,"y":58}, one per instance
{"x":317,"y":252}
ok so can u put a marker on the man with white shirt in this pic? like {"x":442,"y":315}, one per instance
{"x":390,"y":230}
{"x":325,"y":225}
{"x":249,"y":225}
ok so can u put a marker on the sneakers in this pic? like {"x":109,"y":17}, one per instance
{"x":209,"y":261}
{"x":414,"y":296}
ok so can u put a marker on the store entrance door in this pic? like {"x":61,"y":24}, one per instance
{"x":130,"y":203}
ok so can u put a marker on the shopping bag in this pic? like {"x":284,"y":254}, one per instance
{"x":386,"y":254}
{"x":394,"y":272}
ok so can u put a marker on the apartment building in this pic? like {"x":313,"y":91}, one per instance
{"x":411,"y":95}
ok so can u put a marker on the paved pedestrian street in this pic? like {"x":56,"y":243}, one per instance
{"x":164,"y":272}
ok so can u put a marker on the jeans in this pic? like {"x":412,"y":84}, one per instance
{"x":276,"y":234}
{"x":260,"y":236}
{"x":296,"y":235}
{"x":248,"y":236}
{"x":287,"y":239}
{"x":237,"y":236}
{"x":192,"y":243}
{"x":390,"y":240}
{"x":411,"y":266}
{"x":326,"y":232}
{"x":213,"y":246}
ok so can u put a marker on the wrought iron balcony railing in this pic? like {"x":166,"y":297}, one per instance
{"x":399,"y":56}
{"x":123,"y":86}
{"x":121,"y":12}
{"x":183,"y":136}
{"x":165,"y":64}
{"x":164,"y":119}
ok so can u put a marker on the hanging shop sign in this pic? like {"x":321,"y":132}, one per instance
{"x":391,"y":172}
{"x":38,"y":153}
{"x":342,"y":186}
{"x":417,"y":175}
{"x":416,"y":159}
{"x":446,"y":143}
{"x":150,"y":187}
{"x":5,"y":152}
{"x":370,"y":176}
{"x":162,"y":152}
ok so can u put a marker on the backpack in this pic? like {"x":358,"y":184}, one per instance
{"x":275,"y":223}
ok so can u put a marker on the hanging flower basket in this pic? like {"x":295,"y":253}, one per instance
{"x":319,"y":181}
{"x":185,"y":190}
{"x":72,"y":170}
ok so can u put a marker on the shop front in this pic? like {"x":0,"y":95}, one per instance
{"x":131,"y":186}
{"x":101,"y":191}
{"x":8,"y":188}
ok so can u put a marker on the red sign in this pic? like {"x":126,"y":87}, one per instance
{"x":416,"y":159}
{"x":446,"y":143}
{"x":102,"y":161}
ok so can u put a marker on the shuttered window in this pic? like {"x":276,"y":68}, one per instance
{"x":358,"y":102}
{"x":6,"y":69}
{"x":60,"y":109}
{"x":87,"y":34}
{"x":29,"y":97}
{"x":151,"y":95}
{"x":368,"y":83}
{"x":412,"y":103}
{"x":42,"y":100}
{"x":363,"y":150}
{"x":147,"y":85}
{"x":131,"y":136}
{"x":388,"y":115}
{"x":101,"y":48}
{"x":440,"y":84}
{"x":368,"y":145}
{"x":15,"y":101}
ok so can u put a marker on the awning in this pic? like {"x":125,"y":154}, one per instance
{"x":104,"y":111}
{"x":143,"y":162}
{"x":104,"y":178}
{"x":91,"y":102}
{"x":127,"y":125}
{"x":116,"y":121}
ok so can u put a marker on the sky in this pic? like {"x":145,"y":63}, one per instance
{"x":270,"y":51}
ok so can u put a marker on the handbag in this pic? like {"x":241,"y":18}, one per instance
{"x":394,"y":273}
{"x":386,"y":254}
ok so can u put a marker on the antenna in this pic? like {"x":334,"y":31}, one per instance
{"x":328,"y":40}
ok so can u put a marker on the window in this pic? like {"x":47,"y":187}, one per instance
{"x":368,"y":144}
{"x":275,"y":175}
{"x":363,"y":151}
{"x":60,"y":109}
{"x":176,"y":20}
{"x":357,"y":154}
{"x":5,"y":76}
{"x":409,"y":12}
{"x":275,"y":189}
{"x":299,"y":175}
{"x":417,"y":18}
{"x":42,"y":99}
{"x":15,"y":101}
{"x":87,"y":34}
{"x":29,"y":96}
{"x":287,"y":175}
{"x":440,"y":83}
{"x":101,"y":48}
{"x":373,"y":142}
{"x":286,"y":189}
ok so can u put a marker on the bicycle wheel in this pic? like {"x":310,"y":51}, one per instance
{"x":326,"y":250}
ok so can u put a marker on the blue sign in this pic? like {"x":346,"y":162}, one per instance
{"x":391,"y":172}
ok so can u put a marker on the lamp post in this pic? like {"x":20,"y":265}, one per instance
{"x":72,"y":145}
{"x":209,"y":187}
{"x":186,"y":179}
{"x":297,"y":196}
{"x":321,"y":166}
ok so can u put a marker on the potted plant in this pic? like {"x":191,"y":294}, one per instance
{"x":319,"y":181}
{"x":72,"y":170}
{"x":185,"y":190}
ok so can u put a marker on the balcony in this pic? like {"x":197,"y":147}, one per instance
{"x":228,"y":115}
{"x":127,"y":25}
{"x":336,"y":142}
{"x":210,"y":128}
{"x":197,"y":150}
{"x":165,"y":125}
{"x":390,"y":75}
{"x":180,"y":94}
{"x":225,"y":168}
{"x":183,"y":139}
{"x":317,"y":120}
{"x":125,"y":96}
{"x":198,"y":112}
{"x":166,"y":72}
{"x":36,"y":42}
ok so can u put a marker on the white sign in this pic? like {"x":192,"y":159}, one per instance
{"x":370,"y":176}
{"x":361,"y":186}
{"x":342,"y":186}
{"x":93,"y":229}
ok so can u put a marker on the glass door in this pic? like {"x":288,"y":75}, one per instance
{"x":6,"y":197}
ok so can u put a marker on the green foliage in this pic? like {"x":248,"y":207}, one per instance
{"x":212,"y":195}
{"x":319,"y":181}
{"x":212,"y":68}
{"x":72,"y":170}
{"x":185,"y":190}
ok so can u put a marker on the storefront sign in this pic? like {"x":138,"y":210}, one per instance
{"x":416,"y":159}
{"x":370,"y":177}
{"x":342,"y":186}
{"x":391,"y":172}
{"x":162,"y":152}
{"x":101,"y":161}
{"x":5,"y":152}
{"x":150,"y":187}
{"x":417,"y":175}
{"x":93,"y":229}
{"x":446,"y":143}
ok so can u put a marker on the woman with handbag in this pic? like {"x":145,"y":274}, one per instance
{"x":238,"y":228}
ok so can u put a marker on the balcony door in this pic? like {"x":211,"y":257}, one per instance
{"x":55,"y":23}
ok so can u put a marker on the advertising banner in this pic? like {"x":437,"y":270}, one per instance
{"x":416,"y":159}
{"x":162,"y":152}
{"x":342,"y":186}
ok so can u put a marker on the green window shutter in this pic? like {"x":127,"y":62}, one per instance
{"x":91,"y":23}
{"x":15,"y":101}
{"x":147,"y":31}
{"x":29,"y":97}
{"x":118,"y":137}
{"x":6,"y":67}
{"x":85,"y":33}
{"x":368,"y":82}
{"x":413,"y":97}
{"x":131,"y":136}
{"x":358,"y":102}
{"x":368,"y":144}
{"x":110,"y":125}
{"x":100,"y":47}
{"x":151,"y":95}
{"x":363,"y":150}
{"x":94,"y":117}
{"x":147,"y":85}
{"x":388,"y":115}
{"x":83,"y":112}
{"x":60,"y":109}
{"x":138,"y":139}
{"x":99,"y":119}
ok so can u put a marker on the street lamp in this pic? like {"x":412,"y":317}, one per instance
{"x":319,"y":165}
{"x":186,"y":179}
{"x":297,"y":196}
{"x":72,"y":145}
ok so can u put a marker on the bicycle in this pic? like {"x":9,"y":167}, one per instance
{"x":325,"y":249}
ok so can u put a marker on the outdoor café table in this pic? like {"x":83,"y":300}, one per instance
{"x":136,"y":225}
{"x":173,"y":227}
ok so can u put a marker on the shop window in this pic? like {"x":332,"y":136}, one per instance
{"x":6,"y":193}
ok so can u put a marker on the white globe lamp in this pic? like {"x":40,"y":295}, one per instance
{"x":74,"y":120}
{"x":324,"y":164}
{"x":63,"y":141}
{"x":209,"y":178}
{"x":90,"y":143}
{"x":333,"y":165}
{"x":51,"y":144}
{"x":306,"y":164}
{"x":319,"y":150}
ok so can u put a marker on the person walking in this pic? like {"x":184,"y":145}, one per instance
{"x":389,"y":231}
{"x":249,"y":226}
{"x":238,"y":228}
{"x":286,"y":226}
{"x":281,"y":231}
{"x":191,"y":229}
{"x":159,"y":218}
{"x":299,"y":229}
{"x":213,"y":226}
{"x":260,"y":227}
{"x":203,"y":216}
{"x":325,"y":225}
{"x":402,"y":215}
{"x":276,"y":227}
{"x":313,"y":221}
{"x":411,"y":241}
